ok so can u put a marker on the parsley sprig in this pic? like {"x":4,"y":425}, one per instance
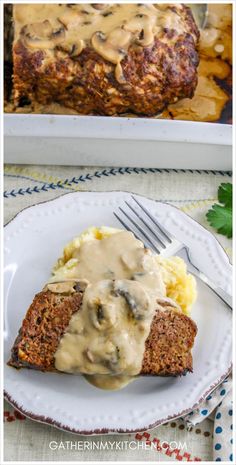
{"x":220,"y":216}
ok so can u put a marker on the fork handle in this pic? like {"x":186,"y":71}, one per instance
{"x":223,"y":295}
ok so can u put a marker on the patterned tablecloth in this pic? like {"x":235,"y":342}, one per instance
{"x":209,"y":438}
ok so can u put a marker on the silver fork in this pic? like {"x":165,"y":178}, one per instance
{"x":163,"y":242}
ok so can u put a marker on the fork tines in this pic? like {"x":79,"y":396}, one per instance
{"x":157,"y":238}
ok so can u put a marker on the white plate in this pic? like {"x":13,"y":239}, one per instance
{"x":111,"y":141}
{"x":33,"y":242}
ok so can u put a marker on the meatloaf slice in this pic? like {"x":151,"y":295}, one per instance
{"x":140,"y":58}
{"x":44,"y":324}
{"x":167,"y":349}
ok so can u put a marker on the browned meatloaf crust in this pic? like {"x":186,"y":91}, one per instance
{"x":154,"y":75}
{"x":167,"y":349}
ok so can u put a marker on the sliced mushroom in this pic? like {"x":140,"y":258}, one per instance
{"x":119,"y":74}
{"x":136,"y":297}
{"x":98,"y":39}
{"x":107,"y":13}
{"x":102,"y":314}
{"x":142,"y":26}
{"x":70,"y":5}
{"x":68,"y":286}
{"x":112,"y":47}
{"x":147,"y":37}
{"x":165,"y":303}
{"x":104,"y":353}
{"x":89,"y":355}
{"x":80,"y":285}
{"x":42,"y":30}
{"x":98,"y":6}
{"x":37,"y":35}
{"x":58,"y":35}
{"x":62,"y":288}
{"x":110,"y":356}
{"x":72,"y":49}
{"x":41,"y":35}
{"x":112,"y":360}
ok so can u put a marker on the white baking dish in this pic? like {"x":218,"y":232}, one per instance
{"x":112,"y":141}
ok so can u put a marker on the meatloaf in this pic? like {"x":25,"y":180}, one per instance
{"x":104,"y":59}
{"x":167,"y":349}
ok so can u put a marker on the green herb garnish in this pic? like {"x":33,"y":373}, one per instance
{"x":220,"y":216}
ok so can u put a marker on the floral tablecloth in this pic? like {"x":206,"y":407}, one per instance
{"x":207,"y":436}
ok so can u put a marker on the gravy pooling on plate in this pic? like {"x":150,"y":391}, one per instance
{"x":106,"y":337}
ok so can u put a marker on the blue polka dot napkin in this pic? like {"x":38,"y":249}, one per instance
{"x":218,"y":407}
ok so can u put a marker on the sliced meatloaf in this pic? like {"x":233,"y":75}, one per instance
{"x":167,"y":349}
{"x":105,"y":59}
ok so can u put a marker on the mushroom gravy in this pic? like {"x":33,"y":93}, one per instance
{"x":212,"y":98}
{"x":106,"y":338}
{"x":108,"y":28}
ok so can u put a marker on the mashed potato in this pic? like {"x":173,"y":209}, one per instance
{"x":180,"y":286}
